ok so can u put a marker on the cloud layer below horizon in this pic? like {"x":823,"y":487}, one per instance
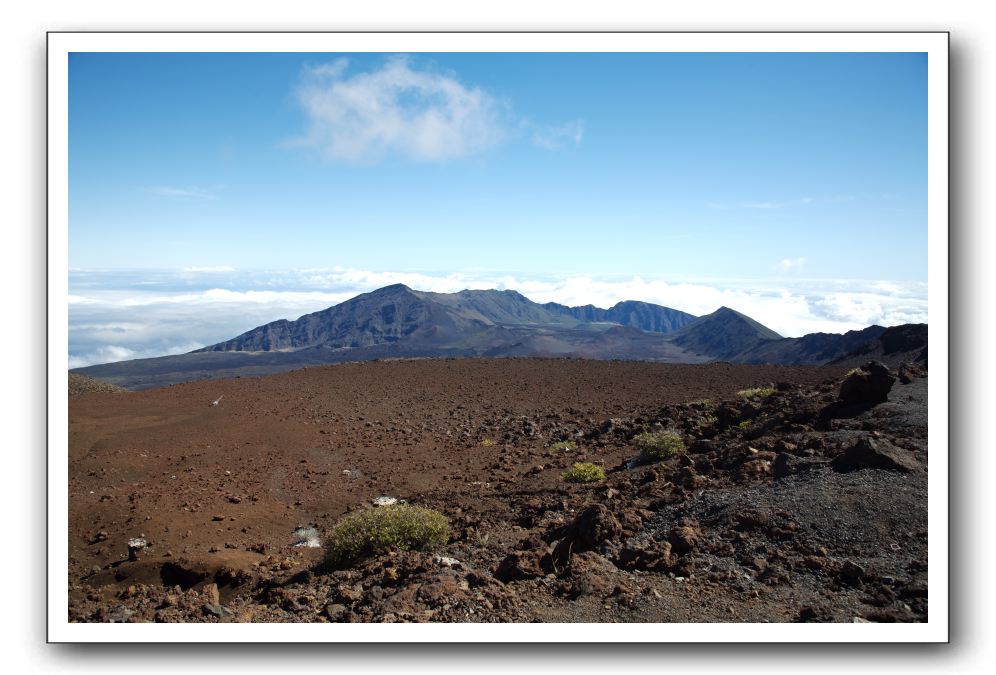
{"x":122,"y":315}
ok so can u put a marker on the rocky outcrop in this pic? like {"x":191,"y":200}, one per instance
{"x":869,"y":384}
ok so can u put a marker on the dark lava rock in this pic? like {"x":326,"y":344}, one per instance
{"x":685,"y":536}
{"x":752,"y":518}
{"x":594,"y":527}
{"x":870,"y":383}
{"x":875,"y":453}
{"x":646,"y":556}
{"x":335,"y":612}
{"x":591,"y":575}
{"x":441,"y":589}
{"x":519,"y":565}
{"x":786,"y":465}
{"x":851,"y":573}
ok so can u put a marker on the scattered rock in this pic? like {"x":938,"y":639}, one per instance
{"x":211,"y":594}
{"x":648,"y":556}
{"x":335,"y":611}
{"x":119,"y":614}
{"x":851,"y":573}
{"x":595,"y":526}
{"x":787,"y":465}
{"x":135,"y":546}
{"x":870,"y":383}
{"x":875,"y":453}
{"x":520,"y":565}
{"x":685,"y":536}
{"x":219,"y":611}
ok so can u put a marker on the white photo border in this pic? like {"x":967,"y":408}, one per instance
{"x":61,"y":44}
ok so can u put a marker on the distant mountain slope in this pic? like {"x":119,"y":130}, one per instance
{"x":723,"y":334}
{"x":423,"y":319}
{"x":892,"y":346}
{"x":642,"y":315}
{"x":498,"y":307}
{"x":810,"y":350}
{"x":386,"y":315}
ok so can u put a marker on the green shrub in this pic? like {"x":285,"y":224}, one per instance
{"x":708,"y":421}
{"x":563,"y":446}
{"x":760,"y":392}
{"x":375,"y":530}
{"x":744,"y":424}
{"x":584,"y":472}
{"x":655,"y":447}
{"x":487,"y":443}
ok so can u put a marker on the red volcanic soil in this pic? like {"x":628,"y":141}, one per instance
{"x":218,"y":490}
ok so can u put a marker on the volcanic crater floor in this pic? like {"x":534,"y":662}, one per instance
{"x":782,"y":508}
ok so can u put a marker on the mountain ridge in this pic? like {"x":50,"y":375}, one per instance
{"x":398,"y":322}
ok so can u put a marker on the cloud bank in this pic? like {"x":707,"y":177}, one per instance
{"x":124,"y":315}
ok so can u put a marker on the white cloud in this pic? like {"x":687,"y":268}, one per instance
{"x":333,"y":69}
{"x":190,"y":312}
{"x":220,"y":269}
{"x":112,"y":353}
{"x":422,"y":114}
{"x":792,"y":264}
{"x":556,"y":137}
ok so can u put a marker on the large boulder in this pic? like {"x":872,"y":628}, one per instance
{"x":875,"y":453}
{"x":594,"y":527}
{"x":871,"y":383}
{"x":591,"y":530}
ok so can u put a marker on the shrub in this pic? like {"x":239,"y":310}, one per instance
{"x":760,"y":392}
{"x":487,"y":443}
{"x":375,"y":530}
{"x":708,"y":421}
{"x":563,"y":446}
{"x":655,"y":447}
{"x":584,"y":472}
{"x":744,"y":424}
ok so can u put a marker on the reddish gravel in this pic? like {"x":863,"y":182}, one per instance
{"x":217,"y":490}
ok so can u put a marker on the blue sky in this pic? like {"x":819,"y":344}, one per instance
{"x":781,"y":173}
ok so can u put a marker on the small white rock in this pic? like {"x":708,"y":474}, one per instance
{"x":384,"y":500}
